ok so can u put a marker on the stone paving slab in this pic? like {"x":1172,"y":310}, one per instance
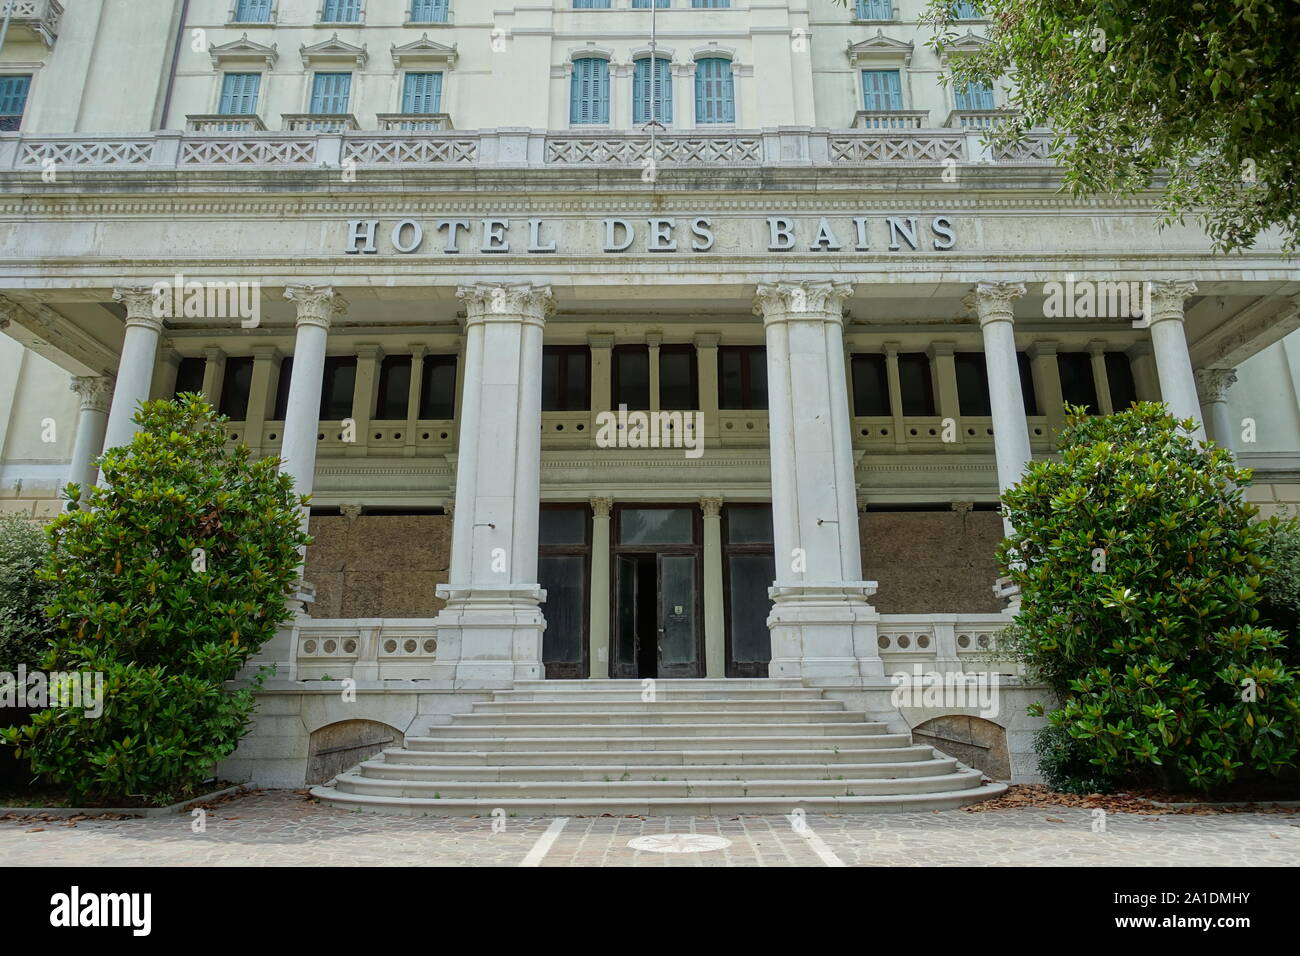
{"x":285,"y":828}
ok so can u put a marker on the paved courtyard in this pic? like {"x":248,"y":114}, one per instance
{"x":284,"y":828}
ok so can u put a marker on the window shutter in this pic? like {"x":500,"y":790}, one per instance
{"x":589,"y":94}
{"x":13,"y":94}
{"x":253,"y":11}
{"x":715,"y":94}
{"x":239,"y":93}
{"x":422,"y":93}
{"x":646,"y":84}
{"x":330,"y":92}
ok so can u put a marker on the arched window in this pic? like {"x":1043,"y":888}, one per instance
{"x":646,"y":85}
{"x":589,"y":95}
{"x":715,"y":91}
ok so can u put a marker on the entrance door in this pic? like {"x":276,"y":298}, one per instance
{"x":656,"y":616}
{"x":749,"y":568}
{"x":656,"y":593}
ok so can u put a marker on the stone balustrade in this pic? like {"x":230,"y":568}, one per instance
{"x":303,"y":147}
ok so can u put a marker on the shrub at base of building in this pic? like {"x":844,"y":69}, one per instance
{"x":1142,"y":569}
{"x":167,"y":580}
{"x":25,"y":631}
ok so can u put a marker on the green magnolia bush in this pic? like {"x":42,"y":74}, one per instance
{"x":1140,"y":567}
{"x":1280,"y":589}
{"x":167,"y":580}
{"x":25,"y":631}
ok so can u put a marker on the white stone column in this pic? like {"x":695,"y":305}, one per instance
{"x":823,"y":627}
{"x":598,"y":652}
{"x":1173,"y":361}
{"x":993,"y":304}
{"x":490,"y":632}
{"x":96,"y":395}
{"x":135,"y":367}
{"x":715,"y":625}
{"x":1212,"y":384}
{"x":317,"y":307}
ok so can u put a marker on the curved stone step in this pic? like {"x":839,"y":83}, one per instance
{"x":391,"y":770}
{"x":633,"y":694}
{"x":658,"y":727}
{"x":663,"y":806}
{"x":506,"y":790}
{"x":665,"y":758}
{"x":520,"y":708}
{"x":660,"y":742}
{"x":657,"y":716}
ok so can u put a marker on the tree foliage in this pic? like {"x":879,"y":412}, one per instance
{"x":1140,"y":566}
{"x":167,"y":581}
{"x":1198,"y":97}
{"x":25,"y":631}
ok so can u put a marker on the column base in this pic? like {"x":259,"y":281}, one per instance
{"x":490,"y":637}
{"x":825,"y":633}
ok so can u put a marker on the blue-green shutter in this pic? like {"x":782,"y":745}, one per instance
{"x":589,"y":94}
{"x":329,"y":92}
{"x":642,"y":89}
{"x":715,"y":92}
{"x":422,"y":93}
{"x":645,"y":4}
{"x":976,"y":96}
{"x":882,"y":90}
{"x":591,"y":4}
{"x":13,"y":94}
{"x":710,"y":4}
{"x":239,"y":93}
{"x":966,"y":11}
{"x":342,"y":11}
{"x":253,"y":11}
{"x":429,"y":11}
{"x":875,"y":10}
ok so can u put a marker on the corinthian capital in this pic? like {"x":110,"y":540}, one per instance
{"x":95,"y":392}
{"x":1213,"y":383}
{"x":782,"y":301}
{"x":995,"y":301}
{"x":317,"y":304}
{"x":143,"y":305}
{"x":1167,"y":298}
{"x":516,"y":302}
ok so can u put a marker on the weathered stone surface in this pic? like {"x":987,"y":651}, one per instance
{"x":974,"y":741}
{"x":378,"y":565}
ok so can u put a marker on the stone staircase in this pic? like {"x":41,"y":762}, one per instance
{"x":591,"y":747}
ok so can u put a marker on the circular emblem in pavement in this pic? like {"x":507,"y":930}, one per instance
{"x":679,"y":843}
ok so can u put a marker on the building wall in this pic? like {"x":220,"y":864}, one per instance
{"x":932,"y":561}
{"x":38,"y":420}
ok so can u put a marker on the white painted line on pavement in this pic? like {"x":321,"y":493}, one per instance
{"x":544,"y":842}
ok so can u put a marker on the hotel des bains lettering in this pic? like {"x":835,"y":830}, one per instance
{"x":654,"y":372}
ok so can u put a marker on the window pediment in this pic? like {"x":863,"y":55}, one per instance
{"x":880,"y":47}
{"x":424,"y":50}
{"x":243,"y":49}
{"x":963,"y":46}
{"x":333,"y":51}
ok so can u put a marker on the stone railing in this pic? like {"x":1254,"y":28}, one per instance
{"x":224,"y":123}
{"x":978,"y":119}
{"x":319,"y":122}
{"x":37,"y":18}
{"x":414,"y":122}
{"x":364,"y":649}
{"x":943,"y":643}
{"x":510,"y":149}
{"x":891,"y":119}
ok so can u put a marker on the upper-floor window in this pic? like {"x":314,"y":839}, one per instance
{"x":1123,"y":387}
{"x":341,"y":11}
{"x":875,"y":9}
{"x":189,"y":375}
{"x":591,"y":4}
{"x":429,"y":11}
{"x":566,"y":378}
{"x":645,"y":4}
{"x":742,"y":376}
{"x":882,"y":90}
{"x":338,"y":384}
{"x":652,"y":93}
{"x":916,"y":383}
{"x":239,"y":93}
{"x":870,"y":385}
{"x":438,"y":388}
{"x":329,"y":92}
{"x":965,"y":10}
{"x":678,"y":378}
{"x":589,"y":95}
{"x":710,"y":4}
{"x":13,"y":101}
{"x":236,"y":384}
{"x":253,"y":11}
{"x":715,"y":92}
{"x":975,"y":96}
{"x":393,"y":395}
{"x":422,"y":93}
{"x":630,"y":376}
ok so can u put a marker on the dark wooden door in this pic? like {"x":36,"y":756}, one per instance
{"x":623,"y":659}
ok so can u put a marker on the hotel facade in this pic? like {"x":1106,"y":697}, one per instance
{"x":610,"y":351}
